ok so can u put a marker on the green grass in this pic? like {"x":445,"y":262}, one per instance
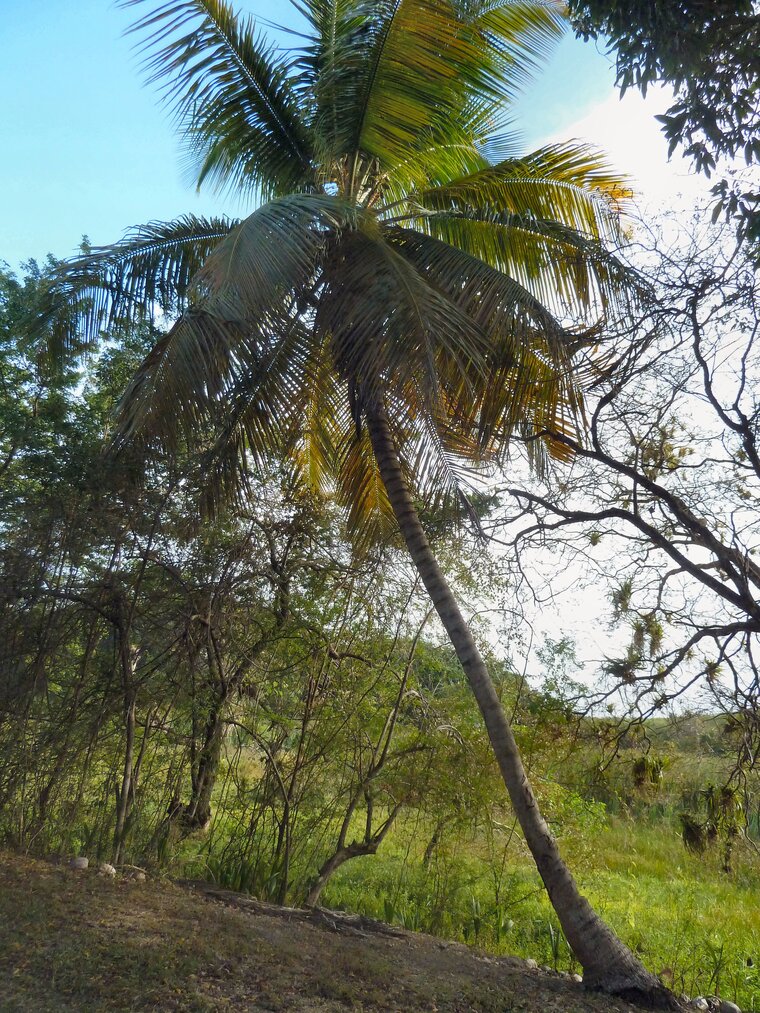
{"x":688,"y":921}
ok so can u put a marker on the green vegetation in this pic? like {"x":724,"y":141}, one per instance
{"x":228,"y":650}
{"x":698,"y":929}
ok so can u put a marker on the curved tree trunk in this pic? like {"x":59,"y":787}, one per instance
{"x":356,"y":849}
{"x":608,"y":965}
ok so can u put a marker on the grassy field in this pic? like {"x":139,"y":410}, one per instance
{"x":690,"y":922}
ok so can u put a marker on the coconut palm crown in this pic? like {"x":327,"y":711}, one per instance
{"x":407,"y":292}
{"x":389,"y":256}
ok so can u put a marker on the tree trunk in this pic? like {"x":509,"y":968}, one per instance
{"x":608,"y":965}
{"x":345,"y":852}
{"x":124,"y":793}
{"x":196,"y":815}
{"x":354,"y":850}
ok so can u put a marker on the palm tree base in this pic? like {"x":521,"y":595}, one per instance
{"x":647,"y":993}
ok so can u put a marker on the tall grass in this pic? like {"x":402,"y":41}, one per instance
{"x":697,"y":927}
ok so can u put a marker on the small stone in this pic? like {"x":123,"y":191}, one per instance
{"x":79,"y":863}
{"x":700,"y":1003}
{"x":727,"y":1006}
{"x":138,"y":876}
{"x":576,"y":978}
{"x":546,"y":969}
{"x":106,"y":870}
{"x":531,"y":964}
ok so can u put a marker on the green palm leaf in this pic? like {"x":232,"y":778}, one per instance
{"x":151,"y":269}
{"x":360,"y":487}
{"x":274,"y":252}
{"x":520,"y":35}
{"x":233,"y":97}
{"x":330,"y":71}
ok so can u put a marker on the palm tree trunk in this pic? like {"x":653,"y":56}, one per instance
{"x":608,"y":965}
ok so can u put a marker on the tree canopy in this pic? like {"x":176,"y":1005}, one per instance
{"x":708,"y":53}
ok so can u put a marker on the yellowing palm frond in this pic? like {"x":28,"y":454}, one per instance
{"x":571,"y":275}
{"x":360,"y":487}
{"x":568,"y":184}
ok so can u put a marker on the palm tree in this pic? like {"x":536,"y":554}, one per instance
{"x":407,"y":294}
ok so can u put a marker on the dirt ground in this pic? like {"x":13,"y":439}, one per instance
{"x":79,"y":941}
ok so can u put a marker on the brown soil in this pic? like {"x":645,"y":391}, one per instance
{"x":79,"y":941}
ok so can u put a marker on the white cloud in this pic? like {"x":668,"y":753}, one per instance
{"x":627,"y":131}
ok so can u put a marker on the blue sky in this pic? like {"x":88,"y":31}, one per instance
{"x":87,"y":148}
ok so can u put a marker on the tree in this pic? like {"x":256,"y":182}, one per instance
{"x":661,"y":502}
{"x":708,"y":53}
{"x":397,"y":306}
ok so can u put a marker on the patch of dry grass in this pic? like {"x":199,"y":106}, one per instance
{"x":77,"y":941}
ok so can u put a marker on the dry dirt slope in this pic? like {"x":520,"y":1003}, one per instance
{"x":77,"y":941}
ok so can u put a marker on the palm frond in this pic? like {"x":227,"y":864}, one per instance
{"x":517,"y":36}
{"x":172,"y":394}
{"x":390,"y":75}
{"x":414,"y":79}
{"x":321,"y":414}
{"x":528,"y":374}
{"x":385,"y":322}
{"x":273,"y":252}
{"x":360,"y":487}
{"x":432,"y":165}
{"x":441,"y":456}
{"x":247,"y":300}
{"x":259,"y":416}
{"x":565,"y":183}
{"x":232,"y":95}
{"x":330,"y":70}
{"x":490,"y":298}
{"x":149,"y":270}
{"x":576,"y":277}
